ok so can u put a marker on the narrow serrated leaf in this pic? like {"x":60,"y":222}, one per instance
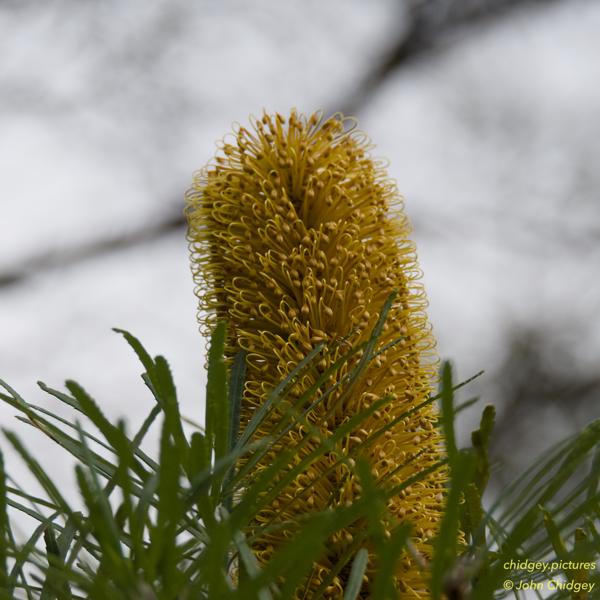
{"x":4,"y":527}
{"x":355,"y":579}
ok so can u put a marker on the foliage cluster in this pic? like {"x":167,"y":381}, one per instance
{"x":176,"y":526}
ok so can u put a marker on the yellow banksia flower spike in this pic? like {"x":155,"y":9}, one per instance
{"x":297,"y":237}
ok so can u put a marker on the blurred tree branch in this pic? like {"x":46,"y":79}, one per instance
{"x":78,"y":253}
{"x":429,"y":23}
{"x":541,"y":375}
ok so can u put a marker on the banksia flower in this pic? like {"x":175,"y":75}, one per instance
{"x":298,"y":237}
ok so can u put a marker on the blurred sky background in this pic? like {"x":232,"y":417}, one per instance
{"x":489,"y":114}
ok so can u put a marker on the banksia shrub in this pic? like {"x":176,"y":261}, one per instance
{"x":297,"y":238}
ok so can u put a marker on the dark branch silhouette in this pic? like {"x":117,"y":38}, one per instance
{"x":80,"y":253}
{"x":430,"y":22}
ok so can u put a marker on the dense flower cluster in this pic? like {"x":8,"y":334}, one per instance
{"x":298,"y":237}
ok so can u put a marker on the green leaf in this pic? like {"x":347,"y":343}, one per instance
{"x":462,"y":466}
{"x":553,"y":480}
{"x":573,"y":455}
{"x":554,"y":534}
{"x":286,"y":467}
{"x":4,"y":527}
{"x":594,"y":476}
{"x":141,"y":434}
{"x":54,"y":433}
{"x":100,"y":464}
{"x":388,"y":551}
{"x":112,"y":434}
{"x":66,"y":537}
{"x":163,"y":541}
{"x":217,"y":410}
{"x":466,"y":404}
{"x":446,"y":543}
{"x":24,"y":554}
{"x":68,"y":400}
{"x":55,"y":584}
{"x":144,"y":357}
{"x":480,"y":439}
{"x":383,"y":585}
{"x":447,"y":400}
{"x":249,"y":562}
{"x":472,"y":512}
{"x":260,"y":414}
{"x":583,"y":552}
{"x":100,"y":513}
{"x":141,"y":516}
{"x":198,"y":456}
{"x":236,"y":392}
{"x":38,"y":472}
{"x":355,"y":580}
{"x":293,"y":561}
{"x":472,"y":515}
{"x":371,"y":343}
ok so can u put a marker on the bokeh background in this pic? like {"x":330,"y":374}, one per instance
{"x":489,"y":114}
